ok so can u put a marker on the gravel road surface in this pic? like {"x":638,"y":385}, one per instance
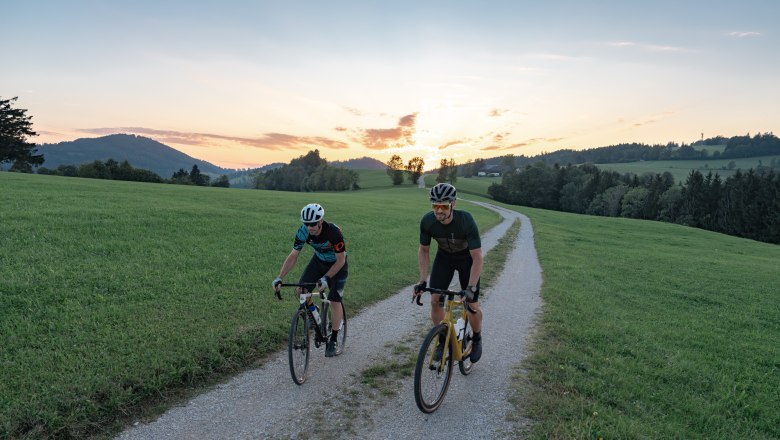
{"x":334,"y":403}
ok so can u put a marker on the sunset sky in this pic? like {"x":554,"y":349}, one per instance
{"x":246,"y":83}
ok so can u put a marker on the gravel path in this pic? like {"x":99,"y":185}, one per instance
{"x":265,"y":403}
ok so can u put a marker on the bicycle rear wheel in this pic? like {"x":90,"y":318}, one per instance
{"x":431,"y":379}
{"x":465,"y":364}
{"x":327,"y":318}
{"x":299,"y":347}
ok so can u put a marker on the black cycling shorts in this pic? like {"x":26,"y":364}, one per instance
{"x":444,"y":267}
{"x":317,"y":268}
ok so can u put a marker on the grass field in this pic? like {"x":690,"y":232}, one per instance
{"x":652,"y":330}
{"x":680,"y":169}
{"x":113,"y":293}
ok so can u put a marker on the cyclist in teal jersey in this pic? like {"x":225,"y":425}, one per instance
{"x":459,"y":249}
{"x":328,"y":266}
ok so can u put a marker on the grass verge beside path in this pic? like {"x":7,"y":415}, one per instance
{"x":114,"y":294}
{"x":652,"y":330}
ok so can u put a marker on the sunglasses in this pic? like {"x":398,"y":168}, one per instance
{"x":441,"y":206}
{"x":311,"y":224}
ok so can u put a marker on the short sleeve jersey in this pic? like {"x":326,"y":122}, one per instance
{"x":326,"y":245}
{"x":459,"y":236}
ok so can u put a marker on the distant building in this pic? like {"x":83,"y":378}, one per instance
{"x":490,"y":172}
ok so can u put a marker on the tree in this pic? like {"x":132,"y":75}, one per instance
{"x":395,"y":169}
{"x":415,"y":168}
{"x":199,"y":178}
{"x":444,"y":171}
{"x":453,"y":171}
{"x":479,"y":165}
{"x":508,"y":163}
{"x":222,"y":182}
{"x":15,"y":128}
{"x":448,"y":172}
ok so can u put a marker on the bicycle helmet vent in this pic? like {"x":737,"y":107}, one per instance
{"x":443,"y":192}
{"x":312,"y":212}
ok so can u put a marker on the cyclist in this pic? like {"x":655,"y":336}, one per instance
{"x":327,"y":267}
{"x":459,"y":249}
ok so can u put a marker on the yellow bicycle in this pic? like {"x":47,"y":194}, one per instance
{"x":452,"y":339}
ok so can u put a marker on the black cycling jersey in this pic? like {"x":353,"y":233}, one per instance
{"x":326,"y":245}
{"x":457,"y":237}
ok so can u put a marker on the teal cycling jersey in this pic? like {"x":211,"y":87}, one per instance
{"x":326,"y":245}
{"x":457,"y":237}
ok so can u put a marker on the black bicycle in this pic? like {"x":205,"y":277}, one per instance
{"x":306,"y":323}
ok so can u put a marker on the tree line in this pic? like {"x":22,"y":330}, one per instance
{"x":113,"y":170}
{"x":761,"y":144}
{"x":308,"y":173}
{"x":746,"y":204}
{"x":413,"y":170}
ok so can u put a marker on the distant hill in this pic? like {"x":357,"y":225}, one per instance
{"x":140,"y":151}
{"x":362,"y":163}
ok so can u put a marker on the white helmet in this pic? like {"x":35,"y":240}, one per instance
{"x":443,"y":192}
{"x":312,"y":212}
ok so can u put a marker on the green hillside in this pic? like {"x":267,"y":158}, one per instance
{"x":680,"y":169}
{"x":652,"y":330}
{"x":114,"y":293}
{"x":140,"y":151}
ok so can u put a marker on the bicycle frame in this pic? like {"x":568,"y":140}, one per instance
{"x":449,"y":304}
{"x":303,"y":296}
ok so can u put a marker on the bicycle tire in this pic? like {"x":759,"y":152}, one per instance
{"x":430,"y":382}
{"x":326,"y":320}
{"x":465,"y":365}
{"x":299,"y":347}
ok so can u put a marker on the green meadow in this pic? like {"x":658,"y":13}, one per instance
{"x":652,"y":330}
{"x":680,"y":169}
{"x":116,"y":296}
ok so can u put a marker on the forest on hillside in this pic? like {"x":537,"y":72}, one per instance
{"x":746,"y":204}
{"x":766,"y":144}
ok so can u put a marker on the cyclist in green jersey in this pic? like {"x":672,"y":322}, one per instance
{"x":459,"y":249}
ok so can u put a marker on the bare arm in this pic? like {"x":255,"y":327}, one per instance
{"x":476,"y":266}
{"x":341,"y":258}
{"x":424,"y":261}
{"x":289,"y":263}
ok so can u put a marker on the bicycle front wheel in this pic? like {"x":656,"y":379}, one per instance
{"x":432,"y":376}
{"x":299,"y":347}
{"x":327,"y":318}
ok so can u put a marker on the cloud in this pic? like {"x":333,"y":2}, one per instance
{"x":646,"y":47}
{"x":269,"y":141}
{"x":491,"y":148}
{"x":384,"y":138}
{"x":653,"y":119}
{"x":451,"y":143}
{"x":526,"y":143}
{"x":743,"y":34}
{"x":497,"y":112}
{"x":353,"y":110}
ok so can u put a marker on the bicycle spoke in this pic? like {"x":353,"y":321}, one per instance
{"x":299,"y":347}
{"x":431,"y":379}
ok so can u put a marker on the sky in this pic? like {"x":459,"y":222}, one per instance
{"x":242,"y":84}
